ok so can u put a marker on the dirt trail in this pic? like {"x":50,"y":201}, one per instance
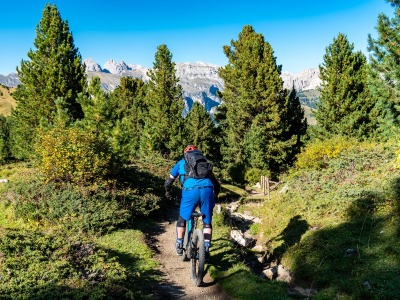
{"x":177,"y":283}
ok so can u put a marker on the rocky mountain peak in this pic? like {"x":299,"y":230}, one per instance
{"x":113,"y":67}
{"x":305,"y":80}
{"x":92,"y":66}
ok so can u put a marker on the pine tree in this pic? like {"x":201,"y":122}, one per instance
{"x":384,"y":80}
{"x":129,"y":113}
{"x":200,"y":131}
{"x":4,"y":137}
{"x":54,"y":70}
{"x":345,"y":103}
{"x":255,"y":103}
{"x":296,"y":124}
{"x":97,"y":109}
{"x":164,"y":124}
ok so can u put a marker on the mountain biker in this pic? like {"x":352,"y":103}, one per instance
{"x":195,"y":191}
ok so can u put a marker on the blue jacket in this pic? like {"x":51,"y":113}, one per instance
{"x":190,"y":183}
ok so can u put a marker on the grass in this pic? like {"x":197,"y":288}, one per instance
{"x":129,"y":247}
{"x":228,"y":269}
{"x":337,"y":228}
{"x":309,"y":114}
{"x":118,"y":265}
{"x":7,"y":101}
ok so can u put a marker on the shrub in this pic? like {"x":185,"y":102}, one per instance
{"x":253,"y":175}
{"x":74,"y":155}
{"x":318,"y":152}
{"x":70,"y":208}
{"x":36,"y":265}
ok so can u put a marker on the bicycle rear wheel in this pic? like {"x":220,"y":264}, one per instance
{"x":186,"y":246}
{"x":197,"y":257}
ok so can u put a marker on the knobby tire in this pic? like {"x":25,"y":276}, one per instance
{"x":186,"y":246}
{"x":198,"y":257}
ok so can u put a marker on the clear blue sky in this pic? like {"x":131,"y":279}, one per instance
{"x":298,"y":31}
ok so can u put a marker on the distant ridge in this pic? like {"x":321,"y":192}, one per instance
{"x":199,"y":80}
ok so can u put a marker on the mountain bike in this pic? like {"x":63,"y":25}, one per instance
{"x":193,"y":248}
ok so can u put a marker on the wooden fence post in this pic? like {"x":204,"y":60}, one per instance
{"x":263,"y":184}
{"x":268,"y":188}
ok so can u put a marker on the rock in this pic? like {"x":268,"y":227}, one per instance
{"x":299,"y":291}
{"x":239,"y":238}
{"x":239,"y":217}
{"x":3,"y":180}
{"x":258,"y":185}
{"x":258,"y":248}
{"x":350,"y":252}
{"x":233,"y":206}
{"x":279,"y":273}
{"x":284,"y":189}
{"x":366,"y":285}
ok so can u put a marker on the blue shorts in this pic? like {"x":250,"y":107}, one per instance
{"x":204,"y":197}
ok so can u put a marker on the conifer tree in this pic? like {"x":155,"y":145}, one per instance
{"x":345,"y":103}
{"x":296,"y":124}
{"x":255,"y":103}
{"x":54,"y":70}
{"x":96,"y":109}
{"x":384,"y":79}
{"x":200,"y":131}
{"x":129,"y":113}
{"x":164,"y":124}
{"x":4,"y":138}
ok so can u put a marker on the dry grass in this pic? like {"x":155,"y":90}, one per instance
{"x":309,"y":114}
{"x":6,"y":100}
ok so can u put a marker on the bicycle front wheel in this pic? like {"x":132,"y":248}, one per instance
{"x":197,"y":257}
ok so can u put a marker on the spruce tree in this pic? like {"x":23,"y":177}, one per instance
{"x":54,"y":70}
{"x":255,"y":103}
{"x":164,"y":124}
{"x":200,"y":131}
{"x":384,"y":79}
{"x":345,"y":103}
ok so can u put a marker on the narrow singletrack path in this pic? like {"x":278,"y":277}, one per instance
{"x":177,"y":283}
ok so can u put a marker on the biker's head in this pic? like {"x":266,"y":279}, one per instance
{"x":190,"y":148}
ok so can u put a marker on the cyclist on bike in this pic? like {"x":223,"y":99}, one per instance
{"x":195,"y":191}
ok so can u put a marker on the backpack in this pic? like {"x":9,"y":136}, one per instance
{"x":197,"y":166}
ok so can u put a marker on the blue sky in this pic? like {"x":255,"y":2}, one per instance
{"x":298,"y":31}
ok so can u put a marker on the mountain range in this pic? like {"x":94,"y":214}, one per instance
{"x":200,"y":81}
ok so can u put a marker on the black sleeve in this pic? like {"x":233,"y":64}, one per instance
{"x":216,"y":184}
{"x":168,"y":183}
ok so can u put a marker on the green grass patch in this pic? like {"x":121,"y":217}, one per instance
{"x":337,"y":228}
{"x":232,"y":274}
{"x":129,"y":248}
{"x":231,"y":192}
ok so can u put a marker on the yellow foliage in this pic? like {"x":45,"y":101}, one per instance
{"x":317,"y":153}
{"x":397,"y":166}
{"x":73,"y":155}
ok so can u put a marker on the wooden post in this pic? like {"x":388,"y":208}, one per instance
{"x":268,"y":188}
{"x":263,"y":184}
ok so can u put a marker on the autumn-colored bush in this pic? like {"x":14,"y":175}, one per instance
{"x":317,"y":153}
{"x":73,"y":155}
